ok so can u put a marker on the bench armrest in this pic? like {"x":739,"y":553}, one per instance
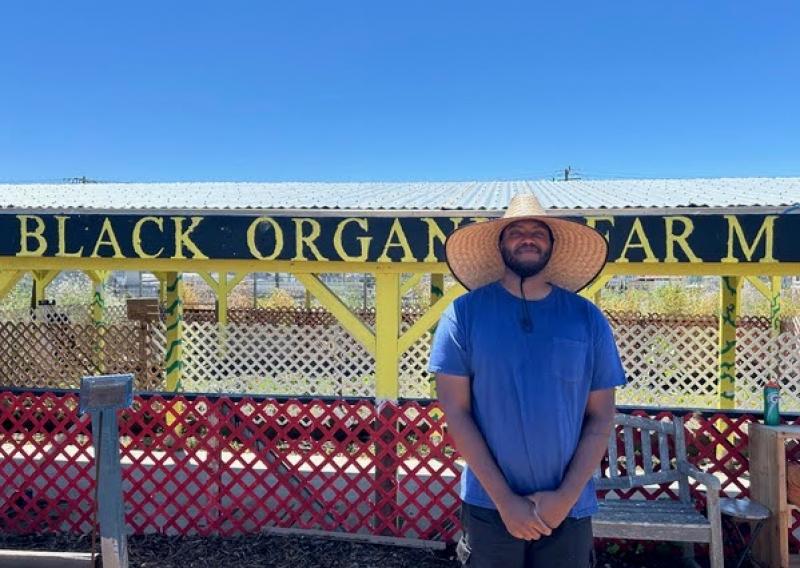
{"x":711,"y":482}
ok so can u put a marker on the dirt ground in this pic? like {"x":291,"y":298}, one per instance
{"x":298,"y":552}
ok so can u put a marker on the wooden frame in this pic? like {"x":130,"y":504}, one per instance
{"x":768,"y":487}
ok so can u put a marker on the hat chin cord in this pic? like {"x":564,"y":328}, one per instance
{"x":526,"y":322}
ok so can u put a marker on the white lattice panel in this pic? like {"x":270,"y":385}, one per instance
{"x":761,"y":357}
{"x":275,"y":359}
{"x":668,"y":365}
{"x":415,"y":381}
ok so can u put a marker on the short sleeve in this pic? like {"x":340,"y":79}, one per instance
{"x":607,"y":370}
{"x":449,"y":352}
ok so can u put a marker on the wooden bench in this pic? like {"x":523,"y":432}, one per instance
{"x":664,"y":519}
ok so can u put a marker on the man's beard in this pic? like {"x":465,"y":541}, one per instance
{"x":525,"y":269}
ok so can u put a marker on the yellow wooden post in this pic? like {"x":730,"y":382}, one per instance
{"x":775,"y":305}
{"x":98,"y":278}
{"x":173,"y":359}
{"x":41,"y":279}
{"x":162,"y":286}
{"x":729,"y":311}
{"x":775,"y":325}
{"x":387,"y":329}
{"x":222,"y":287}
{"x":387,"y":389}
{"x":437,"y":291}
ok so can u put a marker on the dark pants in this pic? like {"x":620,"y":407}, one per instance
{"x":486,"y":543}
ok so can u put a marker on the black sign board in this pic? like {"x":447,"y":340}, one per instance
{"x":645,"y":238}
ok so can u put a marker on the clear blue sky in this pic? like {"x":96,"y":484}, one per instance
{"x":411,"y":90}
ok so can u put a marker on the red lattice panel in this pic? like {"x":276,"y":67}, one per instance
{"x":47,"y":471}
{"x":228,"y":466}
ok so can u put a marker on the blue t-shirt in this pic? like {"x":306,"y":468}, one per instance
{"x":529,"y":390}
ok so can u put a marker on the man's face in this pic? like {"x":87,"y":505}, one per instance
{"x":526,"y":247}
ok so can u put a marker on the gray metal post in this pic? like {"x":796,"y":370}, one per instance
{"x":102,"y":396}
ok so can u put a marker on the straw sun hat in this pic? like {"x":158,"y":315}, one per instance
{"x":579,"y":252}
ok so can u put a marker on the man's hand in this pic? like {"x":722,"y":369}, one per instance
{"x":552,"y":506}
{"x":521,"y":520}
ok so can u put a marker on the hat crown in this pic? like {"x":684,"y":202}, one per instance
{"x":524,"y":205}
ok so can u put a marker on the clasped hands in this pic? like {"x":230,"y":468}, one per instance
{"x":535,"y":515}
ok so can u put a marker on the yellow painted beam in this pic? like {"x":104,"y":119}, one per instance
{"x":592,"y":291}
{"x":410,"y":282}
{"x":219,"y":265}
{"x":339,"y":309}
{"x":222,"y":285}
{"x":97,"y":276}
{"x":429,"y":318}
{"x":210,"y":280}
{"x":387,"y":329}
{"x":8,"y":280}
{"x":702,"y":269}
{"x":233,"y":280}
{"x":316,"y":267}
{"x":41,"y":280}
{"x":761,"y":286}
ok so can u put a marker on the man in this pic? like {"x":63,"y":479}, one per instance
{"x":525,"y":372}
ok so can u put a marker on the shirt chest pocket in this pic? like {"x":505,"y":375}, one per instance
{"x":568,"y":359}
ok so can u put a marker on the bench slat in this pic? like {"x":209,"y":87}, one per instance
{"x":612,"y":454}
{"x":630,"y":455}
{"x":665,"y":426}
{"x":647,"y":451}
{"x":663,"y":451}
{"x":651,"y":532}
{"x":644,"y":505}
{"x":629,"y":481}
{"x":658,"y":517}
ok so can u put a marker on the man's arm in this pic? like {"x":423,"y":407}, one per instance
{"x":554,"y":506}
{"x":519,"y":517}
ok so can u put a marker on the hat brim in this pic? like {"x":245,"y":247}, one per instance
{"x":579,"y":253}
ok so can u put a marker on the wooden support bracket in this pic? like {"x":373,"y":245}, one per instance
{"x":429,"y":318}
{"x":339,"y":309}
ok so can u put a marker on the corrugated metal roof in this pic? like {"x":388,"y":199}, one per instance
{"x":410,"y":196}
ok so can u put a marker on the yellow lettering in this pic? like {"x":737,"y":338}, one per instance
{"x":435,"y":233}
{"x":338,"y":245}
{"x":62,"y":239}
{"x":679,"y":239}
{"x":254,"y":227}
{"x":26,"y":233}
{"x":593,"y":221}
{"x":397,"y":238}
{"x":107,"y":238}
{"x":137,"y":236}
{"x":643,"y":243}
{"x":767,"y":232}
{"x":307,"y":240}
{"x":183,"y":237}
